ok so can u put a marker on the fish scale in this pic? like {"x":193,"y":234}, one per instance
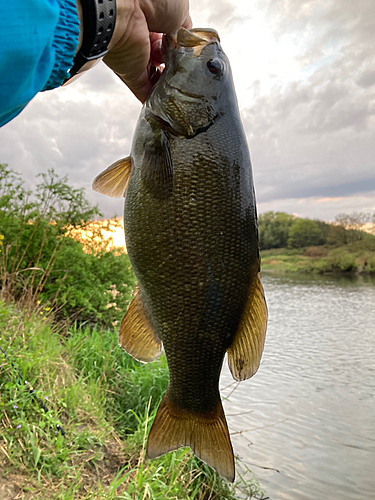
{"x":192,"y":239}
{"x":191,"y":232}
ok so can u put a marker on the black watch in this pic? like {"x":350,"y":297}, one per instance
{"x":99,"y":19}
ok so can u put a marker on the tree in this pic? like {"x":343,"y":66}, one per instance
{"x":337,"y":236}
{"x":274,"y":229}
{"x":305,"y":233}
{"x":355,"y":220}
{"x":324,"y":230}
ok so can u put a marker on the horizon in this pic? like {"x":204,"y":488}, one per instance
{"x":118,"y":235}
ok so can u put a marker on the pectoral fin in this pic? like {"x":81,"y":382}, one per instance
{"x":136,"y":335}
{"x":113,"y":181}
{"x":157,"y":167}
{"x":245,"y":352}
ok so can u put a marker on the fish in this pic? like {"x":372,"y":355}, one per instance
{"x":192,"y":238}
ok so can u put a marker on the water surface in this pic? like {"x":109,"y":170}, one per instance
{"x":312,"y":402}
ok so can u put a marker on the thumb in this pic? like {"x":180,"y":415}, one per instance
{"x":166,"y":16}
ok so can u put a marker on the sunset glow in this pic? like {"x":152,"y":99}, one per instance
{"x":109,"y":230}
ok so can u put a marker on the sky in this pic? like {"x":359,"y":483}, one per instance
{"x":304,"y":72}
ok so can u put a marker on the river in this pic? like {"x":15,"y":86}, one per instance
{"x":308,"y":415}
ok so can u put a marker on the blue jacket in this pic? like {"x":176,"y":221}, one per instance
{"x":38,"y":40}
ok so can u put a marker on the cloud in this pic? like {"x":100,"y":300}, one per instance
{"x":305,"y":78}
{"x":324,"y":209}
{"x":220,"y":15}
{"x":367,"y":79}
{"x":314,"y":135}
{"x":78,"y":131}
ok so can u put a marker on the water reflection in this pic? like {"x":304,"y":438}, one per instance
{"x":313,"y":399}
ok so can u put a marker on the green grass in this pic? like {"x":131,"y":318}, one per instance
{"x":104,"y":401}
{"x":129,"y":385}
{"x":355,"y":258}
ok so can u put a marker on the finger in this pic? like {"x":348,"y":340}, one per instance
{"x":188,"y":23}
{"x":131,"y":55}
{"x":156,"y":48}
{"x":165,"y":16}
{"x":142,"y":85}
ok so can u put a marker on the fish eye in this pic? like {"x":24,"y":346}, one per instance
{"x":215,"y":66}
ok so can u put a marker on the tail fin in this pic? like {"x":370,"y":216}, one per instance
{"x":206,"y":433}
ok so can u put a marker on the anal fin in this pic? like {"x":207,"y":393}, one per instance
{"x":136,"y":335}
{"x":245,"y":352}
{"x":207,"y":435}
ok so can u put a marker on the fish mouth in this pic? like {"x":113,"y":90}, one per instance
{"x":195,"y":39}
{"x":184,"y":92}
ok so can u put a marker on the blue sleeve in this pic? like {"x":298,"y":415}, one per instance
{"x":38,"y":40}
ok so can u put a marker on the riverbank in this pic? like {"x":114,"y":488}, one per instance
{"x":355,"y":258}
{"x":90,"y":444}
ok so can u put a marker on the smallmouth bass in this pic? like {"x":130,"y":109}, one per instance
{"x":192,"y":239}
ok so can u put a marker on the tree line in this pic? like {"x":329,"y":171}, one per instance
{"x":282,"y":230}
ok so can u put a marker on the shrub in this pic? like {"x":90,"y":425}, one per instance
{"x":342,"y":261}
{"x":371,"y":264}
{"x":40,"y":262}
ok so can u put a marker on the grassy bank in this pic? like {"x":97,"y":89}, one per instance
{"x":104,"y":402}
{"x":355,"y":258}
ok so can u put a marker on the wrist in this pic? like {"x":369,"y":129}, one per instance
{"x":124,"y":12}
{"x":97,"y":23}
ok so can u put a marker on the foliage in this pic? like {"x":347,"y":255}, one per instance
{"x":371,"y":264}
{"x":281,"y":230}
{"x":41,"y":262}
{"x":305,"y":232}
{"x":79,"y":376}
{"x":357,"y":257}
{"x":338,"y":235}
{"x":274,"y":229}
{"x":324,"y":228}
{"x":341,"y":261}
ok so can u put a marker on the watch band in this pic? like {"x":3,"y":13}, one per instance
{"x":99,"y":19}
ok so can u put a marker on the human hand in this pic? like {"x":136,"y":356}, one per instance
{"x":135,"y":52}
